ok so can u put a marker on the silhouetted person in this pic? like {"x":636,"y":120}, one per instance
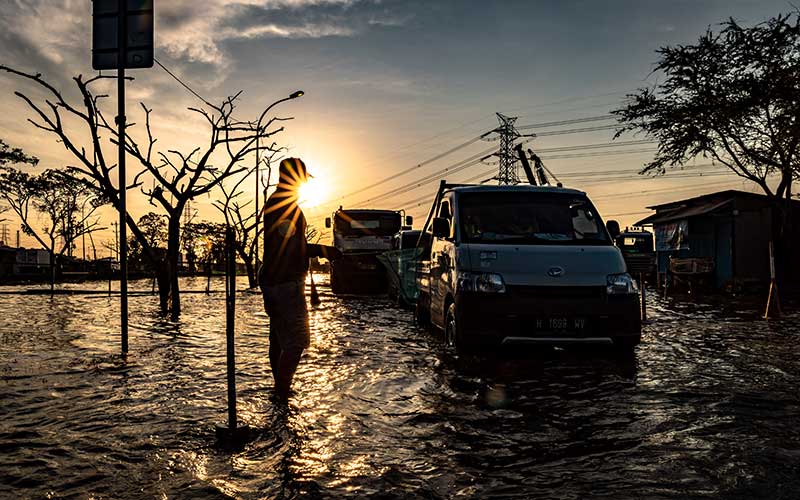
{"x":283,"y":274}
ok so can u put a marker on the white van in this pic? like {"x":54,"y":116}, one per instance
{"x":526,"y":265}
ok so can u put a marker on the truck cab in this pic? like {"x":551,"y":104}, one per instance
{"x":525,"y":265}
{"x":361,"y":235}
{"x":638,"y":251}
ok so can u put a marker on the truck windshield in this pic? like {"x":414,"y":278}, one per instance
{"x":367,"y":223}
{"x":529,"y":218}
{"x":635,"y":243}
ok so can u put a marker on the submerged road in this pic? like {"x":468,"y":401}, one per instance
{"x":707,"y":408}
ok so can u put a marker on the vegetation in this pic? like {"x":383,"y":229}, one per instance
{"x":734,"y":96}
{"x":57,"y":203}
{"x":169,"y":178}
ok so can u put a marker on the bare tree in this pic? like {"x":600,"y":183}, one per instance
{"x":169,"y":178}
{"x":242,"y":216}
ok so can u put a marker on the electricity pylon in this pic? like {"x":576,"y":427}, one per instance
{"x":507,"y":172}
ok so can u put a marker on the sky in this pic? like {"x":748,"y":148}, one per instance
{"x":389,"y":85}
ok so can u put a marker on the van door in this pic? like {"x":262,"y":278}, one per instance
{"x":440,"y":266}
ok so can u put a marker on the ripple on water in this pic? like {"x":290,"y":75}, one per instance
{"x":707,"y":407}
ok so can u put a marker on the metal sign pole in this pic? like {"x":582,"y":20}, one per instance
{"x":123,"y":233}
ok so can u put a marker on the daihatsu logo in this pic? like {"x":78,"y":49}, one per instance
{"x":555,"y":272}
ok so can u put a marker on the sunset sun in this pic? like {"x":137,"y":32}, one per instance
{"x":313,"y":192}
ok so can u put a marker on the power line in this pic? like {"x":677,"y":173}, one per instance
{"x":573,"y":130}
{"x":450,"y":169}
{"x":569,"y":122}
{"x":185,"y":85}
{"x":410,"y":169}
{"x":475,"y":139}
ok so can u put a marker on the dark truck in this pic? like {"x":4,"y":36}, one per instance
{"x":361,"y":235}
{"x":639,"y":252}
{"x":525,"y":265}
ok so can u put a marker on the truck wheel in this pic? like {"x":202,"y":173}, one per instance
{"x":422,"y":314}
{"x":335,"y":287}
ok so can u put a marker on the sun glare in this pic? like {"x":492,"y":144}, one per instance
{"x":312,"y":193}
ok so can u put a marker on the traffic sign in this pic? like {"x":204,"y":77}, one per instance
{"x":138,"y":33}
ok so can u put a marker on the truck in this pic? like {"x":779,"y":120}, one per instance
{"x":524,"y":264}
{"x":408,"y":250}
{"x":639,"y":252}
{"x":361,"y":235}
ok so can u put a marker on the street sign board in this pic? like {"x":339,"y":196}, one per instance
{"x":138,"y":49}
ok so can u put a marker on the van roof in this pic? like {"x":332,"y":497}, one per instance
{"x":519,"y":188}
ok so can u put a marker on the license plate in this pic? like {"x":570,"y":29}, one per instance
{"x":560,"y":324}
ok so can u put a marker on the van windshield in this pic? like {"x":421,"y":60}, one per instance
{"x":530,"y":218}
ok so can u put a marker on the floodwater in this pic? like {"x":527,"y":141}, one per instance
{"x":708,"y":408}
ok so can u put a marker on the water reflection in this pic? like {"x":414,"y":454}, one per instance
{"x":706,"y":407}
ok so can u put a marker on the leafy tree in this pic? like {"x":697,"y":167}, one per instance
{"x":50,"y":208}
{"x":734,"y":96}
{"x":13,"y":156}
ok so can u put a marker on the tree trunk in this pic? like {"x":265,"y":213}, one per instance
{"x":162,"y":281}
{"x":52,"y":272}
{"x":173,"y":251}
{"x":780,"y":241}
{"x":251,"y":273}
{"x":249,"y":265}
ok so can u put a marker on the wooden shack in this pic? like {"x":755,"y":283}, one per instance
{"x":724,"y":235}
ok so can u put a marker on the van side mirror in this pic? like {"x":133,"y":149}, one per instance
{"x":328,"y":222}
{"x":613,"y":229}
{"x":409,"y":220}
{"x":440,"y":227}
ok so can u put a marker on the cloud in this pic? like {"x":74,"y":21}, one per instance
{"x":57,"y":30}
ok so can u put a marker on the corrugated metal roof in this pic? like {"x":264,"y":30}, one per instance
{"x":684,"y":211}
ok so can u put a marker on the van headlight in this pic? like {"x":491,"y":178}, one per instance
{"x":480,"y":282}
{"x":620,"y":284}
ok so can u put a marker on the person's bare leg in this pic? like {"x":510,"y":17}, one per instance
{"x":287,"y":367}
{"x":274,"y":353}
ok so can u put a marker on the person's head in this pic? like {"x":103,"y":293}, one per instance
{"x":292,"y":174}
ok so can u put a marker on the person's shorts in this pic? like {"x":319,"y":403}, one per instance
{"x":285,"y":304}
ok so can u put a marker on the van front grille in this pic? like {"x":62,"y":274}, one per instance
{"x":556,"y":292}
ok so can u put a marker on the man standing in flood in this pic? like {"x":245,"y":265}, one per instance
{"x":283,"y":274}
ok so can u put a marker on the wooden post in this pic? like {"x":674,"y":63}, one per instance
{"x":314,"y":296}
{"x":233,"y":433}
{"x":773,"y":288}
{"x":230,"y":311}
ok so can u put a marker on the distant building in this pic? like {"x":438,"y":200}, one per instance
{"x":8,"y":260}
{"x":726,"y":234}
{"x":32,"y":262}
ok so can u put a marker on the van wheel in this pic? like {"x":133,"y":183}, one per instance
{"x":626,"y":346}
